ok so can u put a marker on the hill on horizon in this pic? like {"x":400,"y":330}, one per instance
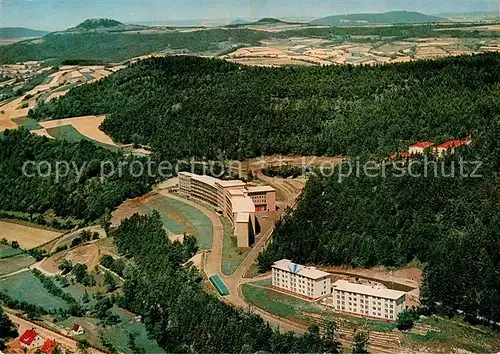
{"x":20,"y":32}
{"x":391,"y":17}
{"x":94,"y":23}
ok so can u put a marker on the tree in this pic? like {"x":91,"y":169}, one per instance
{"x":109,"y":282}
{"x":7,"y":329}
{"x":85,"y":297}
{"x":65,"y":266}
{"x":83,"y":345}
{"x":405,"y":320}
{"x":330,"y":337}
{"x":15,"y":244}
{"x":80,"y":272}
{"x":360,"y":342}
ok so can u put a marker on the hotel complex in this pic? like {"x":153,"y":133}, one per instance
{"x":367,"y":300}
{"x":309,"y":282}
{"x":233,"y":198}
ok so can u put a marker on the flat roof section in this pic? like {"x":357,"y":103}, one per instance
{"x":308,"y":272}
{"x":242,"y":217}
{"x":258,"y":189}
{"x":385,"y":293}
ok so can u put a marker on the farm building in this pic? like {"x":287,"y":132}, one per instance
{"x":30,"y":339}
{"x":419,"y":147}
{"x":49,"y":346}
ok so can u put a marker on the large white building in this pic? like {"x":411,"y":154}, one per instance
{"x":233,"y":198}
{"x":309,"y":282}
{"x":366,"y":300}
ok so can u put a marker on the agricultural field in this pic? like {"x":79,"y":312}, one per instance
{"x":371,"y":51}
{"x":29,"y":236}
{"x":14,"y":262}
{"x":7,"y":251}
{"x":26,"y":287}
{"x":177,"y":217}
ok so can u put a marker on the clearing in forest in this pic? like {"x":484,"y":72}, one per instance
{"x":28,"y":236}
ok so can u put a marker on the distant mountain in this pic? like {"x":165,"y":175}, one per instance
{"x":472,"y":16}
{"x":20,"y":32}
{"x":95,"y":23}
{"x":239,"y":21}
{"x":392,"y":17}
{"x":269,"y":20}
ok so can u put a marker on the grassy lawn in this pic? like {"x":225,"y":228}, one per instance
{"x":15,"y":263}
{"x":26,"y":287}
{"x":454,"y":333}
{"x":27,"y":123}
{"x":232,"y":256}
{"x":6,"y":251}
{"x":253,"y":271}
{"x":277,"y":303}
{"x":179,"y":217}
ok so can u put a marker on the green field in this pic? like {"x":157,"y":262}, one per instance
{"x":232,"y":256}
{"x":15,"y":263}
{"x":454,"y":333}
{"x":69,"y":133}
{"x":260,"y":295}
{"x":26,"y":287}
{"x":179,"y":217}
{"x":6,"y":251}
{"x":27,"y":123}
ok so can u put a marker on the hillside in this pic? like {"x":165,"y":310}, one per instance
{"x":392,"y":17}
{"x":188,"y":106}
{"x":20,"y":32}
{"x":99,"y":22}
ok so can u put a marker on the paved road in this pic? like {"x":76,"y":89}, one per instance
{"x":46,"y":334}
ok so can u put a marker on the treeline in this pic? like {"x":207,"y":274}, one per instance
{"x":180,"y":315}
{"x":447,"y":219}
{"x":83,"y":193}
{"x":284,"y":171}
{"x":189,"y":106}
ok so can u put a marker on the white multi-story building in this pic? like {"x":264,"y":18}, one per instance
{"x":309,"y":282}
{"x":366,"y":300}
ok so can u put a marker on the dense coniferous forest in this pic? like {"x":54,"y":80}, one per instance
{"x":180,"y":315}
{"x":451,"y":224}
{"x":188,"y":106}
{"x":81,"y":194}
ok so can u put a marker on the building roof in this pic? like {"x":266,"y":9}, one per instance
{"x":308,"y":272}
{"x":242,"y":203}
{"x":49,"y":346}
{"x":450,"y":144}
{"x":422,"y":144}
{"x":28,"y":336}
{"x":231,"y":183}
{"x":75,"y":327}
{"x":257,"y":189}
{"x":385,"y":293}
{"x":242,"y":217}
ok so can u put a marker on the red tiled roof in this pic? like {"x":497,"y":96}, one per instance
{"x":75,"y":327}
{"x":49,"y":346}
{"x":28,"y":336}
{"x":404,"y":154}
{"x":422,"y":144}
{"x":450,"y":144}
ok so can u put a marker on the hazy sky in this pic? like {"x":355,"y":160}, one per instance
{"x":61,"y":14}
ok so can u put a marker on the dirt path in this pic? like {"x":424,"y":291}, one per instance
{"x":45,"y":333}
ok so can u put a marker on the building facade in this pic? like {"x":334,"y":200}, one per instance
{"x":233,"y":199}
{"x":308,"y":282}
{"x":368,"y":301}
{"x":419,"y":147}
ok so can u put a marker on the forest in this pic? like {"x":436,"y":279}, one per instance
{"x":182,"y":317}
{"x":197,"y":107}
{"x":82,"y":193}
{"x":447,"y":221}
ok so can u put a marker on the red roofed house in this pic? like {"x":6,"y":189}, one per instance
{"x":49,"y":346}
{"x":30,"y":339}
{"x":449,"y":145}
{"x":419,"y":147}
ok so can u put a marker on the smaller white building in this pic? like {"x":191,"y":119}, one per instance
{"x":309,"y":282}
{"x":367,"y":300}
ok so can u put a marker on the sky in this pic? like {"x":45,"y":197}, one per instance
{"x":61,"y":14}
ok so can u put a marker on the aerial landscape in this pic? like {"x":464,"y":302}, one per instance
{"x":250,"y":177}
